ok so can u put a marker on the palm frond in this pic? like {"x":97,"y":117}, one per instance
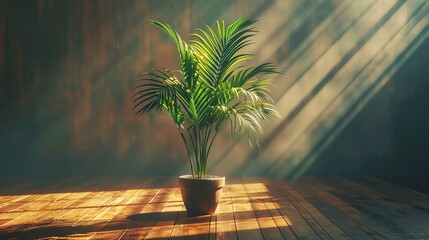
{"x":156,"y":90}
{"x":243,"y":76}
{"x":187,"y":56}
{"x":245,"y":120}
{"x":217,"y":52}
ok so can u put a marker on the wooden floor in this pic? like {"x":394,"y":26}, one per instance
{"x":330,"y":208}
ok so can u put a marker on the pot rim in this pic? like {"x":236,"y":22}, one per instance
{"x":208,"y":177}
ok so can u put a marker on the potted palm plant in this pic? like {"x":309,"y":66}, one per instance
{"x":214,"y":87}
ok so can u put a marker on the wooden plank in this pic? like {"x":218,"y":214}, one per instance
{"x":81,"y":210}
{"x":406,"y":202}
{"x":225,"y":222}
{"x":385,"y":212}
{"x":148,"y":216}
{"x":36,"y":228}
{"x":291,"y":214}
{"x":191,"y":227}
{"x":166,"y":221}
{"x":351,"y":220}
{"x":212,"y":227}
{"x":355,"y":199}
{"x":115,"y":227}
{"x":326,"y":192}
{"x":55,"y":201}
{"x":104,"y":213}
{"x":19,"y":201}
{"x":257,"y":194}
{"x":273,"y":208}
{"x":5,"y":200}
{"x":81,"y":216}
{"x":245,"y":221}
{"x":30,"y":208}
{"x":406,"y":195}
{"x":249,"y":209}
{"x":16,"y":203}
{"x":289,"y":193}
{"x":300,"y":199}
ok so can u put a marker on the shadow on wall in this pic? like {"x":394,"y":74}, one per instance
{"x":390,"y":135}
{"x":334,"y":79}
{"x":65,"y":86}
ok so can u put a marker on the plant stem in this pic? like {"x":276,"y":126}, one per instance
{"x":211,"y":141}
{"x":200,"y":154}
{"x":187,"y":150}
{"x":206,"y":149}
{"x":194,"y":138}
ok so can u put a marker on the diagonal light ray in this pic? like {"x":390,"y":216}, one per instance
{"x":324,"y":37}
{"x":299,"y":100}
{"x":394,"y":51}
{"x":294,"y":16}
{"x":360,"y":102}
{"x":333,"y":80}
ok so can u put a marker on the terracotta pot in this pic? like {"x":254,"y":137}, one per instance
{"x":201,"y":196}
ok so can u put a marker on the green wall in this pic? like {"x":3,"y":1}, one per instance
{"x":67,"y":69}
{"x":390,"y":136}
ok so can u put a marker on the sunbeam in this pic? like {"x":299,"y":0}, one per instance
{"x":330,"y":75}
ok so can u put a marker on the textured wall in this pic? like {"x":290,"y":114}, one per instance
{"x":67,"y":69}
{"x":390,"y":136}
